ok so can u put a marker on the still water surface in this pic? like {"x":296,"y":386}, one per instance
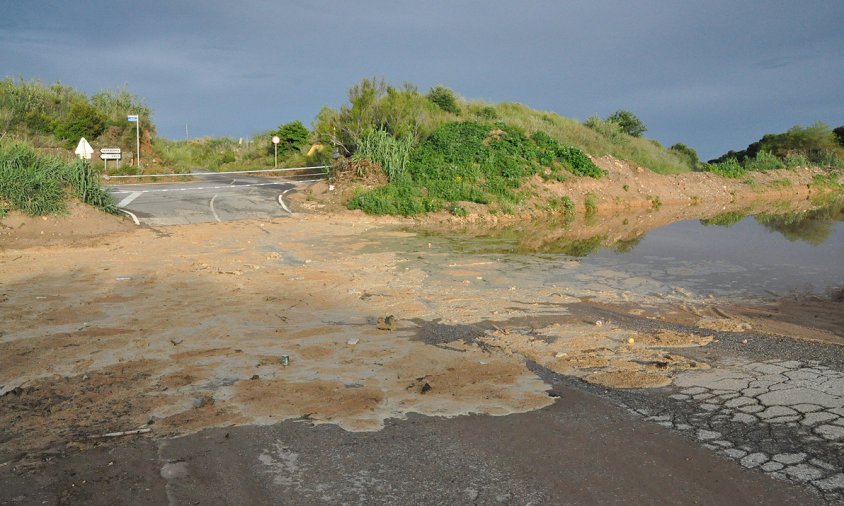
{"x":728,"y":255}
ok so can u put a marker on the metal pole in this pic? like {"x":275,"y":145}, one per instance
{"x":138,"y":139}
{"x":276,"y":155}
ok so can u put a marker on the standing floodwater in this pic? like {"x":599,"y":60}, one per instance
{"x":734,"y":254}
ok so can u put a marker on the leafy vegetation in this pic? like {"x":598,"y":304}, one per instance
{"x":444,"y":99}
{"x":292,"y":136}
{"x":818,"y":144}
{"x":39,"y":185}
{"x":58,"y":115}
{"x":390,"y":153}
{"x":470,"y":161}
{"x":628,"y":122}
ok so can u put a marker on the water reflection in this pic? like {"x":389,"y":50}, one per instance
{"x":582,"y":238}
{"x":813,"y":226}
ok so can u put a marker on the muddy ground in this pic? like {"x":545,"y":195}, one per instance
{"x":334,"y":319}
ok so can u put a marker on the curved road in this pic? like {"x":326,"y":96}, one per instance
{"x":211,"y":197}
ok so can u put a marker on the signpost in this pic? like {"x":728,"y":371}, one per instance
{"x":276,"y":140}
{"x":133,"y":118}
{"x":84,"y":150}
{"x":107,"y":154}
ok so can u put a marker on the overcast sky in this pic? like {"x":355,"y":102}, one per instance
{"x":713,"y":74}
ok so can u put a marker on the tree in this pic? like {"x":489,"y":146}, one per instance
{"x":629,"y":123}
{"x":444,"y":99}
{"x":839,"y":135}
{"x":293,"y":135}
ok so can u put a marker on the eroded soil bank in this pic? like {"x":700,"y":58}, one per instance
{"x":179,"y":329}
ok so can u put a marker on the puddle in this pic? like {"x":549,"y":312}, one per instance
{"x":743,"y":253}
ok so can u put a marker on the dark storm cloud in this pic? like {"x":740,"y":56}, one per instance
{"x":715,"y":75}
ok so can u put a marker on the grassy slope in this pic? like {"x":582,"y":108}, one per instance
{"x":643,"y":152}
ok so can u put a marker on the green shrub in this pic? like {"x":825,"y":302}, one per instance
{"x":729,"y":168}
{"x":797,"y":160}
{"x":83,"y":120}
{"x":444,"y":99}
{"x":292,"y":137}
{"x":628,"y":122}
{"x":611,"y":131}
{"x":763,"y":162}
{"x":688,"y":153}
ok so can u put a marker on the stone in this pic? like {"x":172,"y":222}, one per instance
{"x":790,"y":458}
{"x":816,"y":418}
{"x":754,"y":460}
{"x":682,"y":426}
{"x":744,"y":418}
{"x":723,"y":444}
{"x":807,"y":408}
{"x":770,"y":467}
{"x":706,"y":435}
{"x":776,"y":411}
{"x":791,"y":396}
{"x":831,"y":432}
{"x":834,"y":482}
{"x":804,"y":472}
{"x":710,"y":407}
{"x":679,"y":397}
{"x":702,"y":397}
{"x":752,"y":408}
{"x":791,"y":364}
{"x":783,"y":419}
{"x":735,"y":453}
{"x":822,"y":464}
{"x":693,"y":391}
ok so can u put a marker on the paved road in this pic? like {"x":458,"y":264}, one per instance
{"x":581,"y":450}
{"x":213,"y":197}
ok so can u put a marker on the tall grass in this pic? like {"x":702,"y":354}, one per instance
{"x":391,"y":153}
{"x":39,"y":185}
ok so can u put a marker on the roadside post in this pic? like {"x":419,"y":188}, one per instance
{"x":133,"y":118}
{"x":276,"y":140}
{"x":107,"y":154}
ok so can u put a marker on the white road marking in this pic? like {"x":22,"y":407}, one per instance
{"x":134,"y":218}
{"x":281,"y":200}
{"x":212,"y":209}
{"x":128,"y":200}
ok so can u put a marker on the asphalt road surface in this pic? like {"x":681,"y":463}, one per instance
{"x":581,"y":450}
{"x":210,"y":197}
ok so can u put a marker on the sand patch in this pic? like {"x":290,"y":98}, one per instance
{"x":672,"y":339}
{"x":628,"y":379}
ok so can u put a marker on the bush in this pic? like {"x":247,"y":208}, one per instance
{"x":292,"y":137}
{"x":82,"y":121}
{"x":444,"y":99}
{"x":729,"y":168}
{"x":688,"y":153}
{"x":611,"y":131}
{"x":763,"y":162}
{"x":470,"y":161}
{"x":628,"y":122}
